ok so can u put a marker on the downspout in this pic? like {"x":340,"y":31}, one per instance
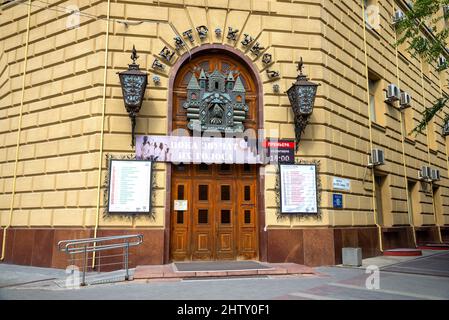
{"x":100,"y":160}
{"x":379,"y":228}
{"x":428,"y":153}
{"x":437,"y":222}
{"x":19,"y":130}
{"x":410,"y":214}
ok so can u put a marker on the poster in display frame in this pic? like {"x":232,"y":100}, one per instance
{"x":312,"y":181}
{"x":144,"y":207}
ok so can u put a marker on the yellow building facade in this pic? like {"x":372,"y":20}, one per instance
{"x":62,"y":114}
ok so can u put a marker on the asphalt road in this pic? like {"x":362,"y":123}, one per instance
{"x":19,"y":282}
{"x":394,"y":281}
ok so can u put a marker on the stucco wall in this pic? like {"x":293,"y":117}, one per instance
{"x":65,"y":88}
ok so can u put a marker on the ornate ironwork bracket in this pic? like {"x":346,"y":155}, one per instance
{"x":301,"y":122}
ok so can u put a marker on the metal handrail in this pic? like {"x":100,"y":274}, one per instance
{"x":87,"y":245}
{"x":95,"y":240}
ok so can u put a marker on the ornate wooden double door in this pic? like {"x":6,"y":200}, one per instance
{"x":220,"y":222}
{"x":221,"y":219}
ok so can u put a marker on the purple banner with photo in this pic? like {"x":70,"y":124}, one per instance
{"x":208,"y":150}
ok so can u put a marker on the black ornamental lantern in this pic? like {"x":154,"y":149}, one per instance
{"x":133,"y":82}
{"x":302,"y":98}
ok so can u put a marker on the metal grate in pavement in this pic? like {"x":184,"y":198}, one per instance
{"x":220,"y":266}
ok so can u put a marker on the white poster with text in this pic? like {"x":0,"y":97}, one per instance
{"x":298,"y":188}
{"x":129,"y":186}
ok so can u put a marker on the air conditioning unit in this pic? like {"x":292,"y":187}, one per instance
{"x":442,"y":63}
{"x":398,"y":16}
{"x":377,"y":158}
{"x":446,"y":129}
{"x":392,"y":93}
{"x":406,"y":100}
{"x":425,"y":173}
{"x":435,"y":174}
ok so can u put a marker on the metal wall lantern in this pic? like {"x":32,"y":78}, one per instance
{"x":302,"y":98}
{"x":133,"y":82}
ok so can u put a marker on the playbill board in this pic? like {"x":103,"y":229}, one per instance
{"x":298,"y":188}
{"x":129,"y":186}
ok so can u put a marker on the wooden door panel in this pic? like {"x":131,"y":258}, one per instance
{"x":180,"y":221}
{"x":225,"y":232}
{"x":225,"y":204}
{"x":202,"y":234}
{"x":221,"y":236}
{"x":247,"y":225}
{"x":226,"y":242}
{"x":203,"y":219}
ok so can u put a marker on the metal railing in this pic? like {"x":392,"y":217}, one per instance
{"x":84,"y":246}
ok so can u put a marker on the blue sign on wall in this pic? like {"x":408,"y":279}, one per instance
{"x":337,"y":200}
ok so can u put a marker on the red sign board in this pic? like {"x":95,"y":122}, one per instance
{"x":280,"y":151}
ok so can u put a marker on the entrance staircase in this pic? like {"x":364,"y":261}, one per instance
{"x":219,"y":269}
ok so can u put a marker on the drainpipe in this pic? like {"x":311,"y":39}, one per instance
{"x":379,"y":228}
{"x":428,"y":156}
{"x":410,"y":214}
{"x":19,"y":130}
{"x":100,"y":160}
{"x":437,"y":222}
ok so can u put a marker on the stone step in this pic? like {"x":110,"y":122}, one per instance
{"x":169,"y":271}
{"x":434,"y":246}
{"x":403,"y":252}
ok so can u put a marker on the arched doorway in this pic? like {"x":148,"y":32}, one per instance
{"x":222,"y":217}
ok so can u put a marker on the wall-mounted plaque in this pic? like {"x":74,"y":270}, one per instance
{"x":337,"y":200}
{"x":129,"y":186}
{"x":298,"y":188}
{"x":341,"y":184}
{"x":180,"y":205}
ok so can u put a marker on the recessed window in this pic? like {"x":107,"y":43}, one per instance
{"x":425,"y":67}
{"x":203,"y":192}
{"x":180,"y":192}
{"x":247,"y":216}
{"x":226,"y":216}
{"x":225,"y":167}
{"x":408,"y":123}
{"x":247,"y":193}
{"x":437,"y":201}
{"x":180,"y":217}
{"x":203,"y":167}
{"x":203,"y":216}
{"x":432,"y":135}
{"x":371,"y":13}
{"x":225,"y":193}
{"x":380,"y":189}
{"x":376,"y":99}
{"x":246,"y":167}
{"x":372,"y":99}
